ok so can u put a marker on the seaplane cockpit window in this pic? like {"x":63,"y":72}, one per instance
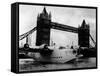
{"x":61,"y":47}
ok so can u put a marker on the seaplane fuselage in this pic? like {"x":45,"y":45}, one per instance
{"x":54,"y":55}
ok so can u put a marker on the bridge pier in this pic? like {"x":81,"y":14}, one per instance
{"x":43,"y":28}
{"x":83,"y":35}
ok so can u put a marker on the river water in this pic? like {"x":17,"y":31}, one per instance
{"x":31,"y":65}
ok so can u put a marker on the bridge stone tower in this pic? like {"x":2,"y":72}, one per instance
{"x":83,"y":35}
{"x":43,"y":28}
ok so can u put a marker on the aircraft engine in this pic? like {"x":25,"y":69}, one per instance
{"x":46,"y":51}
{"x":26,"y":46}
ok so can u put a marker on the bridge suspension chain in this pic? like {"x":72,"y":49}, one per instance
{"x":27,"y":33}
{"x":92,"y":39}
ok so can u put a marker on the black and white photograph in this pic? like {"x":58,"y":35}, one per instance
{"x":56,"y":37}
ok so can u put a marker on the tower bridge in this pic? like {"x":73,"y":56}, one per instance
{"x":44,"y":26}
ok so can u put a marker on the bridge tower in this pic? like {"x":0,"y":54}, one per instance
{"x":83,"y":35}
{"x":43,"y":28}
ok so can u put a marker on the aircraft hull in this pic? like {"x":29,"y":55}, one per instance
{"x":57,"y":56}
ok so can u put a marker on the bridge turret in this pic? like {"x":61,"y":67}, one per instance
{"x":45,"y":15}
{"x":84,"y":25}
{"x":83,"y":34}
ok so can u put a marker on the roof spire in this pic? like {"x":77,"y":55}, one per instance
{"x":50,"y":15}
{"x":44,"y":10}
{"x":84,"y":23}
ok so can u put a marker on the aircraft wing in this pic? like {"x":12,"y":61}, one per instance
{"x":35,"y":49}
{"x":30,"y":49}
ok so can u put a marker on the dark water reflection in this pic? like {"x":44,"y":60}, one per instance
{"x":30,"y":65}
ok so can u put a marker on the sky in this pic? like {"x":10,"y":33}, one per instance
{"x":64,"y":15}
